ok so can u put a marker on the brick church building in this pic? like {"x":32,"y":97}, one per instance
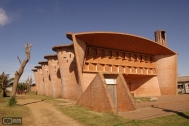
{"x":102,"y":71}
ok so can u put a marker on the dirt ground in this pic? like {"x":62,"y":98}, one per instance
{"x":165,"y":105}
{"x":45,"y":114}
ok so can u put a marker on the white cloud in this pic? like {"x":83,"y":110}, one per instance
{"x":4,"y":19}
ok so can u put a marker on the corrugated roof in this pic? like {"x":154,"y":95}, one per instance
{"x":183,"y":78}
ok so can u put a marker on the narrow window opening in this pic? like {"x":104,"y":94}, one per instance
{"x":141,"y":70}
{"x":130,"y":69}
{"x":110,"y":53}
{"x":151,"y":60}
{"x":103,"y":53}
{"x":117,"y":54}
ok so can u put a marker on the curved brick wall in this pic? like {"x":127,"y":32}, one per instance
{"x":47,"y":82}
{"x":55,"y":77}
{"x":36,"y":79}
{"x":166,"y":67}
{"x":68,"y":70}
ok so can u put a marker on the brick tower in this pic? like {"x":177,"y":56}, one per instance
{"x":160,"y":37}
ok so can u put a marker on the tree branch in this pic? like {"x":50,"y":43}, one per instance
{"x":19,"y":59}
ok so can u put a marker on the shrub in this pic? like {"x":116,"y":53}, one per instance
{"x":12,"y":102}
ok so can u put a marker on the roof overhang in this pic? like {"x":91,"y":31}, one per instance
{"x":122,"y":41}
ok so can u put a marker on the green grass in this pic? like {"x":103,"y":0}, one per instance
{"x":89,"y":118}
{"x":15,"y":111}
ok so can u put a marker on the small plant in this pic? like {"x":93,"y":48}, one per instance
{"x":12,"y":102}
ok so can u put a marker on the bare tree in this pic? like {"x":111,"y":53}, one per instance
{"x":29,"y":81}
{"x":18,"y":73}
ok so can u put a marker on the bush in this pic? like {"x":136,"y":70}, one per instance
{"x":12,"y":101}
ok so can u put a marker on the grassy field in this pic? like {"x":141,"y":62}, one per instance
{"x":87,"y":117}
{"x":102,"y":119}
{"x":16,"y":111}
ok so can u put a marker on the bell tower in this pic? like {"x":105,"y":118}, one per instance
{"x":160,"y":37}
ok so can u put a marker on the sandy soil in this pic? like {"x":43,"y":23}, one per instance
{"x":166,"y":105}
{"x":45,"y":114}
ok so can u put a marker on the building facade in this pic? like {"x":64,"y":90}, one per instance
{"x":102,"y":70}
{"x":183,"y":84}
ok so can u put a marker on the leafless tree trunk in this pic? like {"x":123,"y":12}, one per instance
{"x":18,"y":73}
{"x":29,"y":83}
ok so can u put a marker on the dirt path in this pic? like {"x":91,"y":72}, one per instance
{"x":45,"y":114}
{"x":166,"y":105}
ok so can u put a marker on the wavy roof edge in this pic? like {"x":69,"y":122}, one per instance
{"x":60,"y":46}
{"x":50,"y":55}
{"x":69,"y":36}
{"x":41,"y":62}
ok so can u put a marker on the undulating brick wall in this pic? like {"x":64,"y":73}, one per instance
{"x":36,"y":79}
{"x":166,"y":67}
{"x":79,"y":49}
{"x":55,"y":77}
{"x":71,"y":89}
{"x":41,"y":81}
{"x":47,"y":81}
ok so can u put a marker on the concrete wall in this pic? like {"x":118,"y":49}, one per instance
{"x":166,"y":67}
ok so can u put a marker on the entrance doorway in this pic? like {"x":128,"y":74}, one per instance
{"x":111,"y":84}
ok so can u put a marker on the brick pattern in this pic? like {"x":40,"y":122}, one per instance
{"x":124,"y":98}
{"x":36,"y":80}
{"x":87,"y":79}
{"x":68,"y":70}
{"x":41,"y":81}
{"x":47,"y":81}
{"x":146,"y":86}
{"x":102,"y":100}
{"x":55,"y":77}
{"x":117,"y":61}
{"x":96,"y":97}
{"x":166,"y":66}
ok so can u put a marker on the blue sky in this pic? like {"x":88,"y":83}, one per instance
{"x":46,"y":22}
